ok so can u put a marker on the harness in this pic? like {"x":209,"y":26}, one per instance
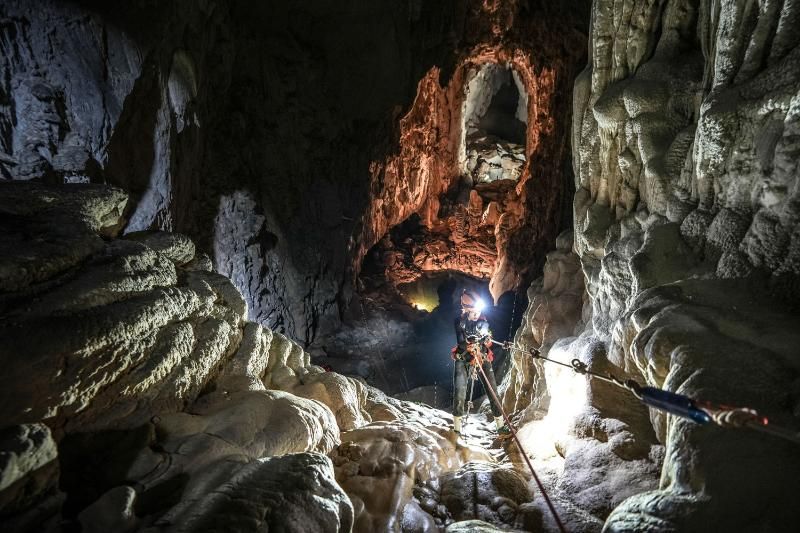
{"x":477,"y":339}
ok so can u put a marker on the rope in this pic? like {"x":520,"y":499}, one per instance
{"x":513,"y":431}
{"x":701,"y":412}
{"x":473,"y":377}
{"x":513,"y":315}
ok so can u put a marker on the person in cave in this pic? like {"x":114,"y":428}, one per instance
{"x":473,"y":347}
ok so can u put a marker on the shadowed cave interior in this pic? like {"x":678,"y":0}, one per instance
{"x":234,"y":237}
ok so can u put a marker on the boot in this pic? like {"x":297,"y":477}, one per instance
{"x":457,"y":424}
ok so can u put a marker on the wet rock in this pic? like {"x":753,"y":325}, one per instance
{"x":379,"y":465}
{"x":478,"y":526}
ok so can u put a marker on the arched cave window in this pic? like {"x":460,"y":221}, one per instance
{"x":495,"y":116}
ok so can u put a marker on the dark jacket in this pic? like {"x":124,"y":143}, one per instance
{"x":466,"y":328}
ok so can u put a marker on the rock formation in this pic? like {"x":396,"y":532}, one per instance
{"x":190,"y":190}
{"x":241,"y":124}
{"x":498,"y":230}
{"x":685,"y":224}
{"x":137,"y":397}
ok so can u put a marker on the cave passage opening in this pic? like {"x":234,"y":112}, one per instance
{"x":495,"y":120}
{"x":400,"y":327}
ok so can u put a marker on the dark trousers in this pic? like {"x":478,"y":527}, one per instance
{"x":461,"y":370}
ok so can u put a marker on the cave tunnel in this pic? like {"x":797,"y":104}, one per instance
{"x":495,"y":121}
{"x":236,"y":236}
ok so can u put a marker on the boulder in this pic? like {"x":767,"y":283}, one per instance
{"x":28,"y":466}
{"x":293,"y":493}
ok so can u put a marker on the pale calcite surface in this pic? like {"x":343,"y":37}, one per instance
{"x":202,"y":420}
{"x":686,"y":221}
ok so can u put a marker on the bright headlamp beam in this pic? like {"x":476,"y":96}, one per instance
{"x":479,"y":305}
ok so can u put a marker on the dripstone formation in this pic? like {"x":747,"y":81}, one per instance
{"x":195,"y":197}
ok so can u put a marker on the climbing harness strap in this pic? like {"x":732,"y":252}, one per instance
{"x":701,"y":412}
{"x":513,"y":431}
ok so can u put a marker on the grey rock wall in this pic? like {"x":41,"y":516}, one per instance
{"x":66,"y":74}
{"x":686,"y":219}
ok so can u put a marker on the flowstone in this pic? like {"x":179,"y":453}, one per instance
{"x":158,"y":407}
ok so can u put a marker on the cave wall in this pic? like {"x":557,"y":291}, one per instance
{"x":192,"y":108}
{"x":543,"y":43}
{"x":686,"y":224}
{"x":199,"y":110}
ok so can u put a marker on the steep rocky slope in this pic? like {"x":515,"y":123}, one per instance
{"x":137,"y":397}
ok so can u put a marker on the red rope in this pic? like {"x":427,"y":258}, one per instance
{"x":521,"y":449}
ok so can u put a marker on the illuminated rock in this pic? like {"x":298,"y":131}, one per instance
{"x":379,"y":466}
{"x":435,"y":157}
{"x":345,"y":397}
{"x":703,"y":338}
{"x":677,"y":171}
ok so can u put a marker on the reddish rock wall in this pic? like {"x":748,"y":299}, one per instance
{"x":507,"y":242}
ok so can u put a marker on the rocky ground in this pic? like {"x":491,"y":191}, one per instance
{"x":137,"y":397}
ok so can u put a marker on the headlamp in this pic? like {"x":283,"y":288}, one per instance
{"x":479,"y":305}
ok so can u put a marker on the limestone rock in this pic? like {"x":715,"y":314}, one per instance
{"x":379,"y":465}
{"x":700,"y":141}
{"x":28,"y":466}
{"x":255,"y":423}
{"x":484,"y":492}
{"x":72,"y":216}
{"x":346,"y":397}
{"x":554,"y":310}
{"x":435,"y":156}
{"x":295,"y":493}
{"x":128,"y":337}
{"x":491,"y":159}
{"x":478,"y":526}
{"x":114,"y":511}
{"x":249,"y":363}
{"x":178,"y":248}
